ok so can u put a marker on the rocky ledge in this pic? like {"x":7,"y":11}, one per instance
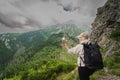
{"x":107,"y":20}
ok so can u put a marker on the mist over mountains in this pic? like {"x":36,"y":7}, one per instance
{"x":29,"y":15}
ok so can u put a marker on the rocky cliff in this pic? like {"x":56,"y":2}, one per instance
{"x":107,"y":20}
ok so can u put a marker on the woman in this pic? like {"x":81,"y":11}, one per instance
{"x":83,"y":71}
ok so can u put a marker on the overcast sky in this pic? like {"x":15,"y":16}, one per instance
{"x":27,"y":15}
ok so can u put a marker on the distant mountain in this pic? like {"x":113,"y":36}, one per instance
{"x":16,"y":41}
{"x":70,"y":29}
{"x":47,"y":61}
{"x":19,"y":48}
{"x":29,"y":39}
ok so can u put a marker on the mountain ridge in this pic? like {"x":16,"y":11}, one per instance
{"x":27,"y":51}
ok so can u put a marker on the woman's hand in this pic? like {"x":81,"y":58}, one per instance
{"x":64,"y":41}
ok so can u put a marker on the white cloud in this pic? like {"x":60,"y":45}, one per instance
{"x":24,"y":15}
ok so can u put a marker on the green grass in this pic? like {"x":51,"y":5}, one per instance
{"x":112,"y":63}
{"x":115,"y":71}
{"x":115,"y":35}
{"x":73,"y":75}
{"x":48,"y":71}
{"x":14,"y":78}
{"x":97,"y":74}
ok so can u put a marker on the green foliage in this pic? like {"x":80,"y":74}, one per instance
{"x":111,"y":61}
{"x":5,"y":55}
{"x":115,"y":35}
{"x":14,"y":78}
{"x":113,"y":64}
{"x":12,"y":42}
{"x":97,"y":74}
{"x":73,"y":75}
{"x":115,"y":71}
{"x":103,"y":50}
{"x":43,"y":59}
{"x":49,"y":71}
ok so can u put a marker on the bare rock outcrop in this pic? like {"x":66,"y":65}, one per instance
{"x":107,"y":20}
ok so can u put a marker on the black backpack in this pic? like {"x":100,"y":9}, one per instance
{"x":92,"y":56}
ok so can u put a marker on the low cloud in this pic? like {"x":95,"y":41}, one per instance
{"x":17,"y":21}
{"x":34,"y":14}
{"x":67,"y":5}
{"x":13,"y":17}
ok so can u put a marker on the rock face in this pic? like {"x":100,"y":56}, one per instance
{"x":107,"y":20}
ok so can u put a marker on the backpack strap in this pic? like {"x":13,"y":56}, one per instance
{"x":84,"y":44}
{"x":81,"y":59}
{"x":88,"y":43}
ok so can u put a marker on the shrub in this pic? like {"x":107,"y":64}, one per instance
{"x":109,"y":62}
{"x":115,"y":35}
{"x":48,"y":71}
{"x":54,"y":76}
{"x":115,"y":72}
{"x":24,"y":75}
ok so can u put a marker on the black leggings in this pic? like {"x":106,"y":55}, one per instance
{"x":84,"y":73}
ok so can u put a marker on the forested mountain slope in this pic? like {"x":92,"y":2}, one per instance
{"x":41,"y":48}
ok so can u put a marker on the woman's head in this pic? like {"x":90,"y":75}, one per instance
{"x":83,"y":36}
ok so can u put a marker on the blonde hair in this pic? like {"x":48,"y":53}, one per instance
{"x":84,"y":34}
